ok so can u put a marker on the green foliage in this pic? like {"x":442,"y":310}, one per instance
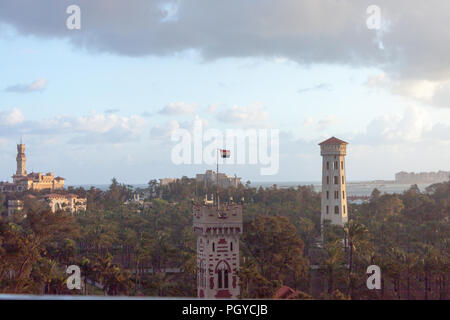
{"x":125,"y":248}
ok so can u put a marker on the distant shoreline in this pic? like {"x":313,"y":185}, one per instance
{"x":354,"y":188}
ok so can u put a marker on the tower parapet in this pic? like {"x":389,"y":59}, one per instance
{"x":218,"y":229}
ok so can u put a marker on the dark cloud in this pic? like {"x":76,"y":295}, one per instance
{"x":38,"y":85}
{"x":415,"y":36}
{"x":320,"y":86}
{"x":416,"y":43}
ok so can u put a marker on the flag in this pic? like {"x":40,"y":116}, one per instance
{"x":224,"y":153}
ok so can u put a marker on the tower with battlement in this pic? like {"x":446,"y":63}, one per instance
{"x":23,"y":181}
{"x":21,"y":161}
{"x":334,"y":194}
{"x":218,"y":229}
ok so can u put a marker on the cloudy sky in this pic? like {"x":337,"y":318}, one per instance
{"x":102,"y":101}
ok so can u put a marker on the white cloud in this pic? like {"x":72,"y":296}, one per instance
{"x":426,"y":91}
{"x":90,"y":129}
{"x":164,"y":131}
{"x":212,"y":108}
{"x":11,"y":117}
{"x":309,"y":122}
{"x":38,"y":85}
{"x":412,"y":126}
{"x":247,"y":116}
{"x":322,"y":124}
{"x":178,"y":108}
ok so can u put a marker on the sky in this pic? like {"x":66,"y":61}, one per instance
{"x":103,"y":101}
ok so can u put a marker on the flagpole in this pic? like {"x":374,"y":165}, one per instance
{"x":217,"y":179}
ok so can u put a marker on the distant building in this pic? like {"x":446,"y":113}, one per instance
{"x":334,"y":197}
{"x":70,"y":202}
{"x":32,"y":181}
{"x":225,"y":181}
{"x":66,"y":202}
{"x":166,"y":181}
{"x":422,"y":177}
{"x":136,"y":200}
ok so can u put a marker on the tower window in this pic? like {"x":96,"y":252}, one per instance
{"x":342,"y":165}
{"x":336,"y":194}
{"x":327,"y":209}
{"x":343,"y":194}
{"x":231,"y":246}
{"x":328,"y":165}
{"x":328,"y":195}
{"x":214,"y":247}
{"x":219,"y":278}
{"x":344,"y":209}
{"x":342,"y":179}
{"x":336,"y":181}
{"x":336,"y":165}
{"x":336,"y":209}
{"x":225,"y":278}
{"x":222,"y":276}
{"x":328,"y":180}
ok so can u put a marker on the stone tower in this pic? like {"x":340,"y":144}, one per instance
{"x":218,"y":229}
{"x":21,"y":159}
{"x":334,"y":193}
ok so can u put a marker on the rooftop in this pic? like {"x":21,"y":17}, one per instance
{"x":333,"y":140}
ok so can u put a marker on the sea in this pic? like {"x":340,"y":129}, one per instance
{"x":354,"y":188}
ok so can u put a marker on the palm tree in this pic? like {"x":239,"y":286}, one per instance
{"x":358,"y":244}
{"x":333,"y":262}
{"x":111,"y":276}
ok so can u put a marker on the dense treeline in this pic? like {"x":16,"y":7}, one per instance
{"x":129,"y":248}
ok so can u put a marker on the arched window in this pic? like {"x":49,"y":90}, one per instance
{"x":213,"y":247}
{"x":222,"y":276}
{"x":231,"y":246}
{"x":336,"y":209}
{"x":343,"y":194}
{"x":344,"y":209}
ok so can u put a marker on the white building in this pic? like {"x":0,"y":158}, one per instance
{"x":334,"y":193}
{"x":218,"y":231}
{"x":66,"y":202}
{"x":225,"y":181}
